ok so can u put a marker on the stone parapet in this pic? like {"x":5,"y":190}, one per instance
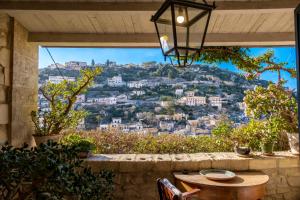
{"x":136,"y":174}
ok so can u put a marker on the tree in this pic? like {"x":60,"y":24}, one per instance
{"x":93,"y":63}
{"x":273,"y":102}
{"x":61,"y":98}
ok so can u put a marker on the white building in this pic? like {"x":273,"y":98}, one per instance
{"x":116,"y":120}
{"x":58,"y":79}
{"x":166,"y":125}
{"x":103,"y":101}
{"x":192,"y":101}
{"x":138,"y":92}
{"x":190,"y":93}
{"x":165,"y":104}
{"x":241,"y":105}
{"x":179,"y":92}
{"x":137,"y":84}
{"x":104,"y":127}
{"x":80,"y":98}
{"x":122,"y":98}
{"x":115,"y":81}
{"x":215,"y":101}
{"x":152,"y":83}
{"x":179,"y":116}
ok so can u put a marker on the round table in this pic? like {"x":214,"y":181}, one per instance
{"x":245,"y":186}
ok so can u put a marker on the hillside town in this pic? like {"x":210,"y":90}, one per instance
{"x":154,"y":98}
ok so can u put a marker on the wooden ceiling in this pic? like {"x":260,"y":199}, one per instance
{"x":122,"y":23}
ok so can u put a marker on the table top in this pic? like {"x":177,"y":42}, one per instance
{"x":242,"y":179}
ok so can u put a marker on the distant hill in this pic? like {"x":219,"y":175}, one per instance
{"x":203,"y":80}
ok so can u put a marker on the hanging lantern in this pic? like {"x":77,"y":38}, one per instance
{"x":181,"y":26}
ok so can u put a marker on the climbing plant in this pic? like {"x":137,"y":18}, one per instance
{"x":253,"y":66}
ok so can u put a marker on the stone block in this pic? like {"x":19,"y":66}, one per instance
{"x":3,"y":134}
{"x":4,"y":20}
{"x":7,"y":76}
{"x":280,"y":181}
{"x":3,"y":38}
{"x":288,"y":163}
{"x":281,"y":190}
{"x":162,"y":162}
{"x":295,"y":171}
{"x":293,"y":181}
{"x":292,"y":196}
{"x":3,"y":113}
{"x":2,"y":94}
{"x":4,"y":57}
{"x":259,"y":164}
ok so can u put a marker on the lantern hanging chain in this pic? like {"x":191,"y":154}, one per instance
{"x":55,"y":63}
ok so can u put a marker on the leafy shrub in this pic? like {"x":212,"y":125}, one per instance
{"x":50,"y":171}
{"x":257,"y":131}
{"x":113,"y":142}
{"x":223,"y":127}
{"x":79,"y":142}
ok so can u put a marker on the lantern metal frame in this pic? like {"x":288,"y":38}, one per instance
{"x":207,"y":10}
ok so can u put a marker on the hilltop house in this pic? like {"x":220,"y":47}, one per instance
{"x":56,"y":65}
{"x":75,"y":65}
{"x":58,"y":79}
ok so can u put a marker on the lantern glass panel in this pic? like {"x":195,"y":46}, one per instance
{"x":181,"y":20}
{"x":197,"y":30}
{"x":165,"y":32}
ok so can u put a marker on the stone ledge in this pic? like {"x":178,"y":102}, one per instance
{"x":175,"y":162}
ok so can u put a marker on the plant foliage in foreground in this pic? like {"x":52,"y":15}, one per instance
{"x":50,"y":171}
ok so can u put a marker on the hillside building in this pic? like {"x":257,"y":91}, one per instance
{"x":115,"y":81}
{"x":58,"y":79}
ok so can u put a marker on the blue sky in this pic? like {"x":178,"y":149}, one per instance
{"x":140,"y":55}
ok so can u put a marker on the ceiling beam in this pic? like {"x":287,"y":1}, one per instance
{"x":150,"y":39}
{"x":6,"y":5}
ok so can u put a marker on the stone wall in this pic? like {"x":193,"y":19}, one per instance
{"x":4,"y":77}
{"x":25,"y":86}
{"x":136,"y":174}
{"x":18,"y":99}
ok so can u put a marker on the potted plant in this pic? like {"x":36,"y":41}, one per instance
{"x":61,"y":98}
{"x":268,"y":135}
{"x":243,"y":139}
{"x":85,"y":146}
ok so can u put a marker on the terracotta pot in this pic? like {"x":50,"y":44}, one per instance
{"x":244,"y":151}
{"x":84,"y":154}
{"x":294,"y":142}
{"x":43,"y":139}
{"x":267,"y":148}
